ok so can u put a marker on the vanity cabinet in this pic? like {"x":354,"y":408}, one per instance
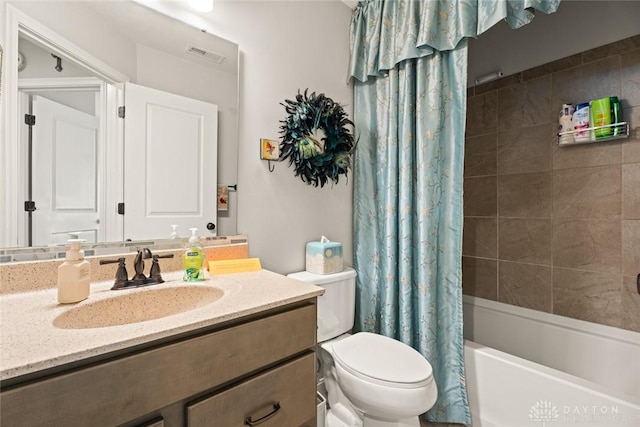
{"x":260,"y":367}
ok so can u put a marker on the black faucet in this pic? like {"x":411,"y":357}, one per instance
{"x":139,"y":279}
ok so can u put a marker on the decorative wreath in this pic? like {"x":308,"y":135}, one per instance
{"x":316,"y":139}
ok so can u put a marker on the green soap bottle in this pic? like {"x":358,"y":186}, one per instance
{"x":616,"y":115}
{"x":601,"y":116}
{"x":193,"y":259}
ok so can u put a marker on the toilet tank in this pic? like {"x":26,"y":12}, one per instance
{"x":336,"y":308}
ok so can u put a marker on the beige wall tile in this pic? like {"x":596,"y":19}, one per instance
{"x":587,"y":244}
{"x":590,"y":192}
{"x":585,"y":295}
{"x":579,"y":156}
{"x":480,"y":155}
{"x":480,"y":237}
{"x":525,"y":105}
{"x":525,"y":150}
{"x":525,"y":285}
{"x":631,"y":151}
{"x":587,"y":193}
{"x":525,"y":195}
{"x":480,"y":196}
{"x":525,"y":240}
{"x":631,"y":191}
{"x":586,"y":82}
{"x":552,"y":67}
{"x":631,"y":247}
{"x":630,"y":75}
{"x":480,"y":277}
{"x":630,"y":304}
{"x":612,"y":49}
{"x":481,"y":114}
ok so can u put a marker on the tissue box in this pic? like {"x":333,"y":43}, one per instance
{"x":324,"y":257}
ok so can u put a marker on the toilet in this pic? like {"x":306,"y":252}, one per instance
{"x":371,"y":380}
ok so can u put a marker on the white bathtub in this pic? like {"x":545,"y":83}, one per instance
{"x":526,"y":368}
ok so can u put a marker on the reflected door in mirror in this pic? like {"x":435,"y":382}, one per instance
{"x":170,"y":163}
{"x":65,"y":173}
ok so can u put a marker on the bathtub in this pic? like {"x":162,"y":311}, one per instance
{"x":527,"y":368}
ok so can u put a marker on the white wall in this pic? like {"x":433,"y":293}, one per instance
{"x":89,"y":31}
{"x":286,"y":46}
{"x":173,"y":74}
{"x":40,"y":64}
{"x":578,"y":25}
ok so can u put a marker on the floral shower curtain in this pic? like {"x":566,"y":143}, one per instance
{"x":409,"y":61}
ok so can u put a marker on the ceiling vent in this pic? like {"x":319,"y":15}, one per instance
{"x":206,"y":54}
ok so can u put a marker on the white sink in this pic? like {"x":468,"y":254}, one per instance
{"x":137,"y":306}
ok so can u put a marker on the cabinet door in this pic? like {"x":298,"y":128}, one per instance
{"x":283,"y":396}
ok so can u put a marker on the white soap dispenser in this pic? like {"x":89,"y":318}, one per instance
{"x":74,"y":275}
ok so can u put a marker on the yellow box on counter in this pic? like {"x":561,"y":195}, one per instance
{"x":229,"y":266}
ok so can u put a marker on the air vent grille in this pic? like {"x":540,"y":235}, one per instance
{"x":206,"y":54}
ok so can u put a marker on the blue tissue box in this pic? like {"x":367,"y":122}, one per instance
{"x":324,"y":257}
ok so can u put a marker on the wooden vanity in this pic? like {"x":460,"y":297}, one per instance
{"x":257,"y":368}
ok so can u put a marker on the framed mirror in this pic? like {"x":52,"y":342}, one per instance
{"x":89,"y":65}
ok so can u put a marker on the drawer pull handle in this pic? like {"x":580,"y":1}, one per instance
{"x":249,"y":422}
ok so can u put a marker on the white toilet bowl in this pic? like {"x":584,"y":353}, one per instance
{"x":385,"y":382}
{"x":371,"y":380}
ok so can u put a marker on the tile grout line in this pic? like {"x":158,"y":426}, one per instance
{"x":497,"y":203}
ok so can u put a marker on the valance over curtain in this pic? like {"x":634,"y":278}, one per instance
{"x":409,"y":61}
{"x":387,"y":32}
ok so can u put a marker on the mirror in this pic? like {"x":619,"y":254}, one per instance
{"x":105,"y":45}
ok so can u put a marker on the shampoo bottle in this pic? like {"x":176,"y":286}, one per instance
{"x":193,"y":259}
{"x":74,"y":275}
{"x":601,"y":116}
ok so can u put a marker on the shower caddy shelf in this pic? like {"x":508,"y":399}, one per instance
{"x":623,"y":128}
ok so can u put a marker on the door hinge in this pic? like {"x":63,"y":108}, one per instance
{"x":29,"y":206}
{"x":121,"y":112}
{"x":121,"y":208}
{"x":29,"y":119}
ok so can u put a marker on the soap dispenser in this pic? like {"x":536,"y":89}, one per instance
{"x":193,"y":259}
{"x":74,"y":275}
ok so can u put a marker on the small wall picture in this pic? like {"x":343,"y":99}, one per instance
{"x":223,"y":198}
{"x":269,"y":149}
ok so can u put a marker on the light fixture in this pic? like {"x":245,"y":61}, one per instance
{"x":489,"y":77}
{"x":202,"y":5}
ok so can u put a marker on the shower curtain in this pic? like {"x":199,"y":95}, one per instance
{"x":409,"y":61}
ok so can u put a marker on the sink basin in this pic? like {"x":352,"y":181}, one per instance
{"x":135,"y":307}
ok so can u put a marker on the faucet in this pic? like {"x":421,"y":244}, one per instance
{"x":122,"y":277}
{"x":139,"y":279}
{"x":138,"y":265}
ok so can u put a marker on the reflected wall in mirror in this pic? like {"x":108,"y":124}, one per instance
{"x":83,"y":68}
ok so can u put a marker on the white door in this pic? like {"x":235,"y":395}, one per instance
{"x":170,"y":166}
{"x":65,"y":173}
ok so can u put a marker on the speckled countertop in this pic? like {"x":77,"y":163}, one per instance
{"x":30,"y":341}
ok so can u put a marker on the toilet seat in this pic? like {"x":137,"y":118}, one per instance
{"x":382,"y":360}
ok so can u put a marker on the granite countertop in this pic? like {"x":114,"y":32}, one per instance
{"x":30,"y":341}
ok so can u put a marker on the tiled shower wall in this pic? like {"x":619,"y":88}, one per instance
{"x":549,"y":228}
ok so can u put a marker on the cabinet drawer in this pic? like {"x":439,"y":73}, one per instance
{"x":287,"y":392}
{"x":126,"y":388}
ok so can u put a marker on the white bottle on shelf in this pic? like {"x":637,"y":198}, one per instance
{"x":74,"y":275}
{"x":565,"y":124}
{"x":581,"y":122}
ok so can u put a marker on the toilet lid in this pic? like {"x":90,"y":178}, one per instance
{"x":382,"y":358}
